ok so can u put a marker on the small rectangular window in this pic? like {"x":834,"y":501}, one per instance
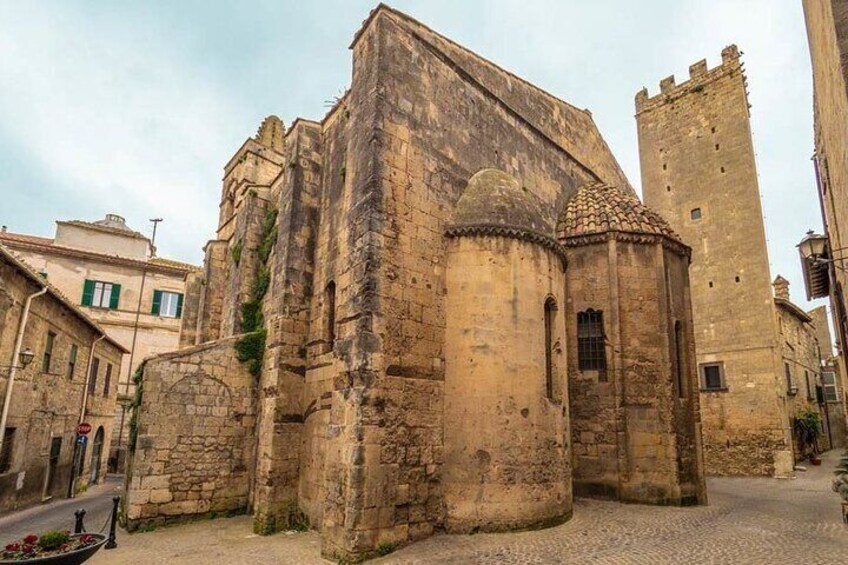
{"x":100,"y":294}
{"x":72,"y":361}
{"x":107,"y":380}
{"x":591,"y":343}
{"x":48,"y":352}
{"x":712,"y":376}
{"x":92,"y":377}
{"x":8,"y":449}
{"x":167,"y":304}
{"x":695,"y":214}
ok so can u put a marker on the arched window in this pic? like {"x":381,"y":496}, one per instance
{"x":550,"y":320}
{"x":591,"y":354}
{"x":330,"y":313}
{"x":679,"y":358}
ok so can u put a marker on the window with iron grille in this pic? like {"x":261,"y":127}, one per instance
{"x":712,"y":376}
{"x":591,"y":353}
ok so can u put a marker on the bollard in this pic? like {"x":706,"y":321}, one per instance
{"x":79,"y":527}
{"x":111,"y":543}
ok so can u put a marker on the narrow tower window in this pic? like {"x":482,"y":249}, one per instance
{"x":591,"y":355}
{"x":330,"y":313}
{"x":550,"y":320}
{"x":679,"y":358}
{"x":695,"y":214}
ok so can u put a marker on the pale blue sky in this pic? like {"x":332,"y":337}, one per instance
{"x":134,"y":107}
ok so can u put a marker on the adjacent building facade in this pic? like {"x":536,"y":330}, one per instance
{"x":757,"y":352}
{"x":72,"y":378}
{"x":112,"y":274}
{"x":827,"y":33}
{"x":440,"y":308}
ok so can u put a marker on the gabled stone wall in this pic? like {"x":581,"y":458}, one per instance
{"x":194,"y":446}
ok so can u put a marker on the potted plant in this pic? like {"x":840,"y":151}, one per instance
{"x":52,"y":548}
{"x":807,"y":428}
{"x":840,"y":484}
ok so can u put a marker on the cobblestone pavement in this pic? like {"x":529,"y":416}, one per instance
{"x":748,"y":521}
{"x":59,"y":514}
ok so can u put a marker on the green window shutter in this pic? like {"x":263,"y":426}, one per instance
{"x":179,"y":305}
{"x":157,"y":302}
{"x":87,"y":292}
{"x":116,"y":296}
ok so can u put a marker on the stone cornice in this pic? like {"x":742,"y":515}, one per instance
{"x":509,"y":232}
{"x":630,"y":237}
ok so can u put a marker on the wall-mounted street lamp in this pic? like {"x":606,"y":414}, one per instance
{"x":813,"y":246}
{"x":25,"y":357}
{"x":815,"y":264}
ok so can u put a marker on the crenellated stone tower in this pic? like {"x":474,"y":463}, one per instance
{"x":699,"y":172}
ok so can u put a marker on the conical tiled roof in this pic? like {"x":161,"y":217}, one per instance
{"x":598,"y":208}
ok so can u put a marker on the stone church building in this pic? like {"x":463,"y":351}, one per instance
{"x":441,"y":308}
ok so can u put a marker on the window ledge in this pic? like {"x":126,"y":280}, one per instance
{"x":722,"y":389}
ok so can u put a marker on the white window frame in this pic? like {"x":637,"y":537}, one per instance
{"x":101,"y":296}
{"x":832,"y":386}
{"x":168,"y":302}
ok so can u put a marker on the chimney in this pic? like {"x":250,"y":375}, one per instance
{"x":781,"y":288}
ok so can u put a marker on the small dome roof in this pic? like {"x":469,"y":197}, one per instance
{"x":598,"y":208}
{"x":496,"y":198}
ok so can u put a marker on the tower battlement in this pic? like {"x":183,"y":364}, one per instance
{"x":699,"y":76}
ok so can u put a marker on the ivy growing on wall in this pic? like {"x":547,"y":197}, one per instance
{"x":236,"y":252}
{"x":250,"y":348}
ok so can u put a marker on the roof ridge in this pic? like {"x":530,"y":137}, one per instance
{"x":38,"y":279}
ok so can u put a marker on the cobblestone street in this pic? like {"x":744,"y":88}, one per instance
{"x":748,"y":521}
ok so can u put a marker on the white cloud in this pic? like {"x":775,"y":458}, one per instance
{"x":115,"y":118}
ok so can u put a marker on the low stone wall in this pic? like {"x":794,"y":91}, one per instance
{"x":194,"y":450}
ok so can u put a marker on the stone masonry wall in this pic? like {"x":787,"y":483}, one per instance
{"x":635,"y":433}
{"x":698,"y":171}
{"x":195,"y":448}
{"x":211,"y":299}
{"x":47,"y":396}
{"x":827,"y":33}
{"x":507,"y":460}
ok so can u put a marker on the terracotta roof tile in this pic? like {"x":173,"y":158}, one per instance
{"x":599,"y":208}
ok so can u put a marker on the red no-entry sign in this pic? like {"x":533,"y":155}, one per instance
{"x":83,"y":428}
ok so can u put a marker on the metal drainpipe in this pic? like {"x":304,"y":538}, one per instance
{"x":72,"y":492}
{"x":7,"y":401}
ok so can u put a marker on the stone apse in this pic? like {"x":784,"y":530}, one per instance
{"x":451,"y":313}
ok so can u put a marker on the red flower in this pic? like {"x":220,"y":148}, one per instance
{"x":86,"y":539}
{"x":13,"y":547}
{"x":31,"y":539}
